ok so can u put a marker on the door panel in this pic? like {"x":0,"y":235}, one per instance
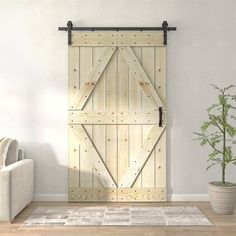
{"x":116,"y":147}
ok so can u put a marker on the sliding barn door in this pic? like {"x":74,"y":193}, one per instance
{"x":117,"y":121}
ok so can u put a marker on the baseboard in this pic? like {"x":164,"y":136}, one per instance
{"x":171,"y":197}
{"x":50,"y":197}
{"x":187,"y":197}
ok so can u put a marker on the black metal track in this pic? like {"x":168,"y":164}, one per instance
{"x":70,"y":28}
{"x":116,"y":29}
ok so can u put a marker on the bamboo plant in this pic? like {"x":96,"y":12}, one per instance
{"x":219,"y":131}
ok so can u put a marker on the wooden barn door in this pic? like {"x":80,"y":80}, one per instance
{"x":117,"y":96}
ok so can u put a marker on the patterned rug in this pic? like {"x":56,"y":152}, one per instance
{"x":114,"y":216}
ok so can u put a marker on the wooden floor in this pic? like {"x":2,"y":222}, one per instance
{"x":223,"y":225}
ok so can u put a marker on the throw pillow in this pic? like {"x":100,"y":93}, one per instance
{"x":12,"y":154}
{"x":4,"y":145}
{"x":21,"y":154}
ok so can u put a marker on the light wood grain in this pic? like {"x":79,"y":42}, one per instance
{"x":135,"y":103}
{"x":94,"y":39}
{"x":160,"y":86}
{"x":73,"y":74}
{"x":93,"y":194}
{"x":142,"y":156}
{"x":140,"y":76}
{"x":86,"y":168}
{"x":115,"y":96}
{"x":74,"y":150}
{"x":113,"y":117}
{"x":93,"y":78}
{"x":141,"y":194}
{"x":73,"y":87}
{"x":123,"y":130}
{"x":140,"y":39}
{"x":111,"y":95}
{"x":99,"y":131}
{"x":148,"y":64}
{"x":91,"y":152}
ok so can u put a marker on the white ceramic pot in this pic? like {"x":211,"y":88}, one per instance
{"x":222,"y":199}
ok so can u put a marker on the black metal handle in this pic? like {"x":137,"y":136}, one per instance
{"x":160,"y":116}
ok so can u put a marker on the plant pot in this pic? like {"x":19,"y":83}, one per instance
{"x":222,"y":198}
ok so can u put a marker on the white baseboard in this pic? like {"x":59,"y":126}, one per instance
{"x":171,"y":197}
{"x":50,"y":197}
{"x":187,"y":197}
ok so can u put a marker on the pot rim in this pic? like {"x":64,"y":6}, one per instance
{"x":223,"y":187}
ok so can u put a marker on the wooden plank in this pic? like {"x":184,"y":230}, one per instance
{"x":141,"y":194}
{"x":74,"y":150}
{"x":135,"y":104}
{"x":93,"y":117}
{"x":86,"y":168}
{"x":143,"y":39}
{"x":93,"y":77}
{"x":160,"y":66}
{"x":160,"y":85}
{"x":74,"y":147}
{"x":140,"y":76}
{"x":94,"y":39}
{"x":123,"y":130}
{"x":123,"y":151}
{"x":93,"y":194}
{"x":73,"y":74}
{"x":101,"y":170}
{"x":161,"y":162}
{"x":111,"y":117}
{"x":148,"y":64}
{"x":138,"y":118}
{"x":111,"y":105}
{"x":142,"y":156}
{"x":99,"y":131}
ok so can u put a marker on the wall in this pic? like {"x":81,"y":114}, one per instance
{"x":33,"y":79}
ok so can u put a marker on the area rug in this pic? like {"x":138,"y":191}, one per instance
{"x":117,"y":216}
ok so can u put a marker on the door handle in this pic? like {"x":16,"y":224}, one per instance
{"x":160,"y":116}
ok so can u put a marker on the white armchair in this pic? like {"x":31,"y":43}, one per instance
{"x":16,"y":188}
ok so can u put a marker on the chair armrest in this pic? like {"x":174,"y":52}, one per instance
{"x":18,"y":165}
{"x":5,"y":196}
{"x":17,"y":190}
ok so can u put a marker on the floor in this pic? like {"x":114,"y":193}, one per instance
{"x":223,"y":225}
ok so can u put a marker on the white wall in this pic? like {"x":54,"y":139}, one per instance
{"x":33,"y":77}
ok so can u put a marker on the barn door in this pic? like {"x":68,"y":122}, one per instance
{"x":117,"y":122}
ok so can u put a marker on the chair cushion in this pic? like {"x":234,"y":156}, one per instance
{"x":12,"y":154}
{"x":4,"y":146}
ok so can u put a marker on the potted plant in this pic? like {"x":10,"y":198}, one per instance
{"x":219,"y":133}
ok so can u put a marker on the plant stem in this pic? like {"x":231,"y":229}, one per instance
{"x":218,"y":126}
{"x":213,"y":146}
{"x":224,"y":142}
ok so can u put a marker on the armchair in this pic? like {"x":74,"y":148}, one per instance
{"x":16,"y":187}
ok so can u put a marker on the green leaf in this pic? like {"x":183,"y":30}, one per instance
{"x":222,"y":100}
{"x":213,"y":154}
{"x":230,"y":130}
{"x":212,"y":107}
{"x":221,"y":116}
{"x":208,"y":167}
{"x":205,"y":126}
{"x":228,"y":154}
{"x":203,"y":142}
{"x":229,"y":87}
{"x":215,"y":87}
